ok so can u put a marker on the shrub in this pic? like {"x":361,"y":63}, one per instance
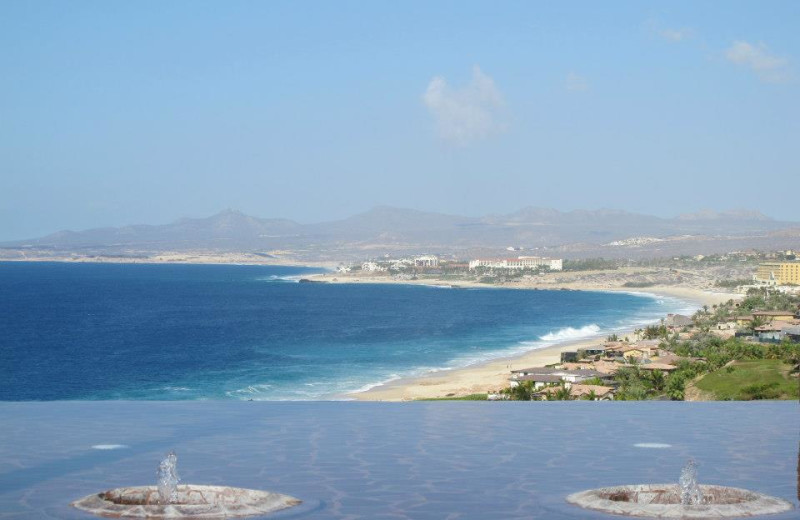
{"x":761,"y":391}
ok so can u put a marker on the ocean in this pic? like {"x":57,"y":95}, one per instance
{"x":193,"y":332}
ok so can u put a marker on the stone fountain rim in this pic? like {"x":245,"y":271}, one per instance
{"x":267,"y":502}
{"x":760,"y":505}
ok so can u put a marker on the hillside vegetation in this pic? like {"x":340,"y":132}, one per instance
{"x":752,"y":379}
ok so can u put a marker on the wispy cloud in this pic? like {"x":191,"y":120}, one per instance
{"x":468,"y":113}
{"x":675,"y":35}
{"x":576,"y":83}
{"x":757,"y":58}
{"x":670,"y":34}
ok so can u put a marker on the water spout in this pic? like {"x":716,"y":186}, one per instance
{"x":690,"y":491}
{"x":168,"y":479}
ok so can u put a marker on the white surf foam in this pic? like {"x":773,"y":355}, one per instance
{"x":248,"y":391}
{"x":570,"y":333}
{"x":370,"y":386}
{"x":294,"y":278}
{"x":110,"y":446}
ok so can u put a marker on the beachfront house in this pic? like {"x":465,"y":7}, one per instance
{"x":539,"y":380}
{"x":600,"y":392}
{"x":770,"y":316}
{"x":606,"y":367}
{"x":602,"y":366}
{"x":582,"y":353}
{"x":542,"y":376}
{"x":677,"y":321}
{"x":587,"y":352}
{"x":663,"y":367}
{"x":593,"y":392}
{"x":775,"y":331}
{"x":769,"y":333}
{"x":626,"y":352}
{"x":744,"y":321}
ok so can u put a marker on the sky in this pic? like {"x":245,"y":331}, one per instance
{"x":115,"y":113}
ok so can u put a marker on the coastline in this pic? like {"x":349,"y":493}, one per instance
{"x":167,"y":258}
{"x":691,"y":294}
{"x":494,"y":374}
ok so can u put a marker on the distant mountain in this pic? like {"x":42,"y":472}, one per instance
{"x":228,"y":227}
{"x":388,"y":229}
{"x":733,"y":215}
{"x":388,"y":223}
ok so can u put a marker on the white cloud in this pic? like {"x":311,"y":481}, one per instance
{"x":468,"y":113}
{"x":654,"y":26}
{"x":768,"y":67}
{"x":675,"y":35}
{"x":576,"y":83}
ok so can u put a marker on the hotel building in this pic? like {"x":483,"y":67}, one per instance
{"x":522,"y":262}
{"x":778,"y":273}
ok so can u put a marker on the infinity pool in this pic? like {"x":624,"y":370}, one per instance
{"x":436,"y":460}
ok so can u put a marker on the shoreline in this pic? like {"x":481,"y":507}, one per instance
{"x":691,"y":294}
{"x":179,"y":259}
{"x":493,"y":374}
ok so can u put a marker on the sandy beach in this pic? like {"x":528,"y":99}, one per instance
{"x":493,"y":375}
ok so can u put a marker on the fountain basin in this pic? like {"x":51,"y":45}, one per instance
{"x":192,"y":502}
{"x":664,"y":501}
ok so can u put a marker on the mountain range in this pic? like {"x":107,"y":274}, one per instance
{"x":603,"y":232}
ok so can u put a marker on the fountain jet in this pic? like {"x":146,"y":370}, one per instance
{"x":690,"y":491}
{"x":167,"y":475}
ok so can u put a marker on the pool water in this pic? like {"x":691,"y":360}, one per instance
{"x":435,"y":460}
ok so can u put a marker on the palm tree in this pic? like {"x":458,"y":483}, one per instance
{"x":562,"y":394}
{"x":591,"y":396}
{"x":521,"y":392}
{"x":657,"y":380}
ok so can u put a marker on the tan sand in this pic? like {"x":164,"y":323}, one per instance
{"x":693,"y":294}
{"x":489,"y":376}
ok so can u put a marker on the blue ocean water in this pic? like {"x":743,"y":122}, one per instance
{"x":133,"y":331}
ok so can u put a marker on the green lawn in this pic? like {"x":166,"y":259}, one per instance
{"x":747,"y":380}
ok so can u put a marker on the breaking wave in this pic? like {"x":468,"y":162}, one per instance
{"x":569,"y":333}
{"x":284,"y":279}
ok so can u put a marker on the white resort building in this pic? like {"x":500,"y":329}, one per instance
{"x":426,"y":261}
{"x":521,"y":262}
{"x":372,"y":267}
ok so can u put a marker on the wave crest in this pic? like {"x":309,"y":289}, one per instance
{"x":568,"y":333}
{"x":294,"y":278}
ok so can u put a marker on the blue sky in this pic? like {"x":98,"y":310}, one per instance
{"x":114,"y":113}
